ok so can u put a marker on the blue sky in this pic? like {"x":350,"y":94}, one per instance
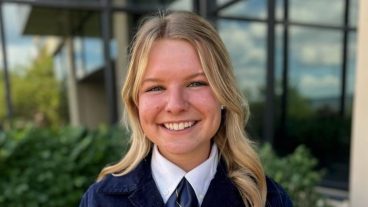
{"x":20,"y":49}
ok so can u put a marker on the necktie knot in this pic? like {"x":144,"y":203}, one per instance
{"x":183,"y":196}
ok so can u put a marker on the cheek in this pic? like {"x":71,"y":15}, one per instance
{"x":206,"y":100}
{"x":148,"y":108}
{"x":209,"y":106}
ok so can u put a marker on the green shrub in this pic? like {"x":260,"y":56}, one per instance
{"x":296,"y":173}
{"x":41,"y":167}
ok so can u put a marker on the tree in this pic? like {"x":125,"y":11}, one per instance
{"x":37,"y":95}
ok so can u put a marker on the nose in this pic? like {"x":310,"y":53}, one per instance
{"x":176,"y":101}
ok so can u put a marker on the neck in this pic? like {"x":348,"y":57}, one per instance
{"x":189,"y":161}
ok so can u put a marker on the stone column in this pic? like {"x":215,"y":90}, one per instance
{"x":121,"y":36}
{"x":72,"y":84}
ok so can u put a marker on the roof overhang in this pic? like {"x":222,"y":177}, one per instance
{"x":61,"y":22}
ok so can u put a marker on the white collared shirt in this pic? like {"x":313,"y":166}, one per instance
{"x":167,"y":175}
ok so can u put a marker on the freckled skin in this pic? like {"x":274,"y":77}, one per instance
{"x":175,"y":89}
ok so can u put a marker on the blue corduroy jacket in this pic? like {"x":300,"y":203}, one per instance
{"x":138,"y":189}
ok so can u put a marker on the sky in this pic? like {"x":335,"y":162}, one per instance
{"x":20,"y":49}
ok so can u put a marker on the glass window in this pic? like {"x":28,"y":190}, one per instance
{"x":143,"y":3}
{"x":249,"y":8}
{"x":88,"y":54}
{"x":317,"y":11}
{"x":252,"y":9}
{"x":315,"y":66}
{"x":246,"y":44}
{"x":93,"y":53}
{"x":61,"y":64}
{"x":279,"y":9}
{"x":314,"y":92}
{"x":354,"y":11}
{"x":79,"y":57}
{"x":88,"y":45}
{"x":351,"y":68}
{"x":181,"y":5}
{"x":222,"y":2}
{"x":113,"y":49}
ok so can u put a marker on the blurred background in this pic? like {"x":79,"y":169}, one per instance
{"x":63,"y":63}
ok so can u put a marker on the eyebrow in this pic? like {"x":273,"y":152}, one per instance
{"x":194,"y":75}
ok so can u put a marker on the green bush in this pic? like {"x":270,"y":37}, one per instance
{"x":45,"y":167}
{"x":41,"y":167}
{"x":296,"y":173}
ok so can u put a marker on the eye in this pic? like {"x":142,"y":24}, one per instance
{"x":155,"y":89}
{"x":197,"y":84}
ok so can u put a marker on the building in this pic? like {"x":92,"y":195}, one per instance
{"x":295,"y":60}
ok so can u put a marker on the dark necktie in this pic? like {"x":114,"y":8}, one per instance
{"x":183,"y":196}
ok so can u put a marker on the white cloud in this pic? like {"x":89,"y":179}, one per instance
{"x":245,"y":43}
{"x":253,"y":8}
{"x":321,"y":53}
{"x":316,"y":11}
{"x":316,"y":47}
{"x":319,"y":86}
{"x":181,"y":5}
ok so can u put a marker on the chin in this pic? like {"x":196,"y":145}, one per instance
{"x":177,"y":148}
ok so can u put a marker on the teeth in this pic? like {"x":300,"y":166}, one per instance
{"x":179,"y":126}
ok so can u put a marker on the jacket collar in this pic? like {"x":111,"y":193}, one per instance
{"x":142,"y":191}
{"x":138,"y":185}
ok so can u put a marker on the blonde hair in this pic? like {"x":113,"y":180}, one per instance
{"x":235,"y":148}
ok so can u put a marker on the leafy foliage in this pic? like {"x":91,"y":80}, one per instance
{"x":42,"y":167}
{"x":296,"y":173}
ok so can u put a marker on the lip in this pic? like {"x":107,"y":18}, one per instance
{"x":178,"y":121}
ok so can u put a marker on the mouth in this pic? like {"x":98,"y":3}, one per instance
{"x":178,"y":126}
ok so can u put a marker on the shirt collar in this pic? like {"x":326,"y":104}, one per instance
{"x":167,"y":175}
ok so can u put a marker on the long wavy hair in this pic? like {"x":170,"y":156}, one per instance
{"x":235,"y":148}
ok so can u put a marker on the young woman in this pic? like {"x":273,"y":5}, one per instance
{"x":187,"y":120}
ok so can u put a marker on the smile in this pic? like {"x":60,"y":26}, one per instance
{"x":179,"y":125}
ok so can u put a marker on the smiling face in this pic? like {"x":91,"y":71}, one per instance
{"x":177,"y":108}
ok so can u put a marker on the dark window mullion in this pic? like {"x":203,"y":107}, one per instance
{"x":7,"y":89}
{"x":285,"y":70}
{"x":109,"y":72}
{"x":268,"y":133}
{"x":344,"y":58}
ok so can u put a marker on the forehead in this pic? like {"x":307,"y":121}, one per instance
{"x":172,"y":55}
{"x":166,"y":49}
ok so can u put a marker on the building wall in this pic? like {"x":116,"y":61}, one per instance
{"x":359,"y":152}
{"x":92,"y":104}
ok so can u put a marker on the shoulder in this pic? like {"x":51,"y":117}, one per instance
{"x":276,"y":195}
{"x":104,"y":191}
